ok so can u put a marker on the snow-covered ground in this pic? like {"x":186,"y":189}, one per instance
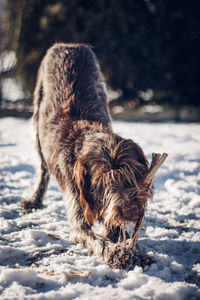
{"x":36,"y":257}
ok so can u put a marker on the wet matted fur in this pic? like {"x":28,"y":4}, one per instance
{"x":99,"y":172}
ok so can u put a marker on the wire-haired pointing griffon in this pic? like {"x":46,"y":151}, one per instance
{"x":100,"y":174}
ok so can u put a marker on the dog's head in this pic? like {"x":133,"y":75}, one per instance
{"x":110,"y":176}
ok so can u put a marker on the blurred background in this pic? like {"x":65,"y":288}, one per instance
{"x":148,"y":50}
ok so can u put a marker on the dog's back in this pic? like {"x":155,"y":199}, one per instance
{"x":70,"y":83}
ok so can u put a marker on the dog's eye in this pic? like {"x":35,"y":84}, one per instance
{"x":132,"y":194}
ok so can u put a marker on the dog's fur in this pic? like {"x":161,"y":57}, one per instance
{"x":99,"y":172}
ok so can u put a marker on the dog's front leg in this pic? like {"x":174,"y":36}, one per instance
{"x":116,"y":255}
{"x":97,"y":244}
{"x":81,"y":232}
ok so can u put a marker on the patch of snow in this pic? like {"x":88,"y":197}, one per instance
{"x":7,"y":61}
{"x":12,"y":89}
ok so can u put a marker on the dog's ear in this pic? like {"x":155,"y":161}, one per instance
{"x":83,"y":184}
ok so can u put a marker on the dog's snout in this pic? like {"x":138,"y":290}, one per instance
{"x":130,"y":212}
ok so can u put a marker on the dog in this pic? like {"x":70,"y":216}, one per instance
{"x":98,"y":172}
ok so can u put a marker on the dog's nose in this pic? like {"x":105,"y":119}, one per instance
{"x":130,"y":212}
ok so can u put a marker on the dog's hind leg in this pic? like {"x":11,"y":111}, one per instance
{"x":36,"y":200}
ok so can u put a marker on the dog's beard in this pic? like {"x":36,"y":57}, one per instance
{"x":119,"y":209}
{"x":113,"y":211}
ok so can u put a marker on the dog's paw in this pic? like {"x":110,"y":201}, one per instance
{"x":122,"y":257}
{"x":29,"y":205}
{"x":119,"y":258}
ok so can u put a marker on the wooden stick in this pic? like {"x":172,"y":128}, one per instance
{"x":69,"y":274}
{"x":157,"y":161}
{"x":136,"y":234}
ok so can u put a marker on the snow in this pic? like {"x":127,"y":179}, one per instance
{"x":7,"y":61}
{"x":36,"y":256}
{"x":12,"y":89}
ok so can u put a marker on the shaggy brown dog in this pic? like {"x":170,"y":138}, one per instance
{"x":99,"y":172}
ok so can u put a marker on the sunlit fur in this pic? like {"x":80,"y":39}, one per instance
{"x":100,"y":173}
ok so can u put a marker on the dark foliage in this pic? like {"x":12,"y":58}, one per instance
{"x":140,"y":44}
